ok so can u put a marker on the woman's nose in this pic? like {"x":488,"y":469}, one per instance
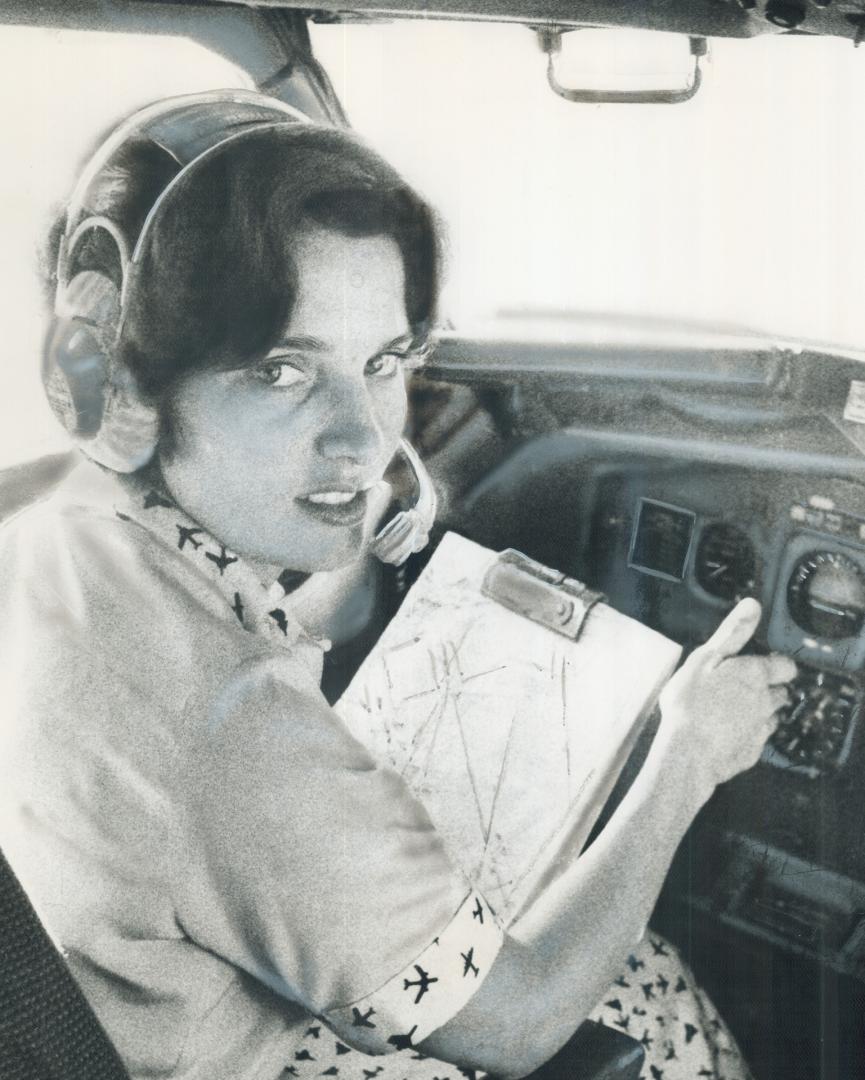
{"x":351,"y":429}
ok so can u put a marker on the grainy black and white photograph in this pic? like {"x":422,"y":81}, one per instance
{"x":432,"y":540}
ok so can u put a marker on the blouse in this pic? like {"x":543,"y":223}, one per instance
{"x":215,"y":855}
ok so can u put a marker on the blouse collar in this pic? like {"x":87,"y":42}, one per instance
{"x":259,"y":607}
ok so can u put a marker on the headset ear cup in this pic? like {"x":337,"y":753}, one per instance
{"x":95,"y":397}
{"x":74,"y":375}
{"x":129,"y":433}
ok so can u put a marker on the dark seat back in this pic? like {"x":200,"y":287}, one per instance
{"x":47,"y":1029}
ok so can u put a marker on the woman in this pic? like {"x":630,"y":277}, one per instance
{"x":238,"y":293}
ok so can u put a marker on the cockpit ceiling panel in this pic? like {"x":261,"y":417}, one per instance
{"x":697,"y":18}
{"x":702,"y":18}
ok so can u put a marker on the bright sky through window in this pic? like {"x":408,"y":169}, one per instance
{"x":741,"y":207}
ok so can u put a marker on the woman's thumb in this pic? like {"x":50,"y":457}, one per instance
{"x":736,"y":630}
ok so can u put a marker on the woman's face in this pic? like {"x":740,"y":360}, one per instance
{"x":276,"y":459}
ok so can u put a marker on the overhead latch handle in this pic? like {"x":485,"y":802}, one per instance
{"x":550,"y":41}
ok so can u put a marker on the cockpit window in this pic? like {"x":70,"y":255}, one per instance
{"x":60,"y":92}
{"x":742,"y":207}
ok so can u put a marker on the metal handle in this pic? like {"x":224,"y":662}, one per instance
{"x":551,"y":43}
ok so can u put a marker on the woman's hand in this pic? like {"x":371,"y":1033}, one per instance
{"x":720,"y":708}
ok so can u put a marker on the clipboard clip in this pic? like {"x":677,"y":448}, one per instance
{"x":545,"y":596}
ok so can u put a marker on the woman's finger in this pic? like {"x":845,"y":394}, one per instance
{"x":780,"y":669}
{"x":779,"y":696}
{"x":759,"y":671}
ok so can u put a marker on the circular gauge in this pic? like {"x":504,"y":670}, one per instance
{"x":726,"y":564}
{"x":826,"y":595}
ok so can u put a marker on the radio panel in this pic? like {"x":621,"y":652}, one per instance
{"x":816,"y":728}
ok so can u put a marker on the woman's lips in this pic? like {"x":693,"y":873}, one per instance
{"x":335,"y":507}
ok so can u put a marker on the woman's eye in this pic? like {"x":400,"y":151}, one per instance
{"x":384,"y":365}
{"x":279,"y":373}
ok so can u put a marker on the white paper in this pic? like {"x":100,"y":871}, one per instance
{"x":508,"y":732}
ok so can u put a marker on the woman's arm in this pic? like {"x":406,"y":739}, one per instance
{"x":311,"y":867}
{"x":566,"y":949}
{"x":557,"y":961}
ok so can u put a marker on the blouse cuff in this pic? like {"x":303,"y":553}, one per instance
{"x":433,"y":988}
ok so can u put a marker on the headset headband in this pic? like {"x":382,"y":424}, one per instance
{"x":187,"y":128}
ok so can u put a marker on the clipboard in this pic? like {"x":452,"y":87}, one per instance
{"x":508,"y":696}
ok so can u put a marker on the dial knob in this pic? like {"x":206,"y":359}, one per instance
{"x":813,"y":726}
{"x":826,"y":595}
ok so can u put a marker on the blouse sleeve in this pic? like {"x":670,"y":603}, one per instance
{"x":312,"y":867}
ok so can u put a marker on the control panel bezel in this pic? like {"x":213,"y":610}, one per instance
{"x":786,"y":636}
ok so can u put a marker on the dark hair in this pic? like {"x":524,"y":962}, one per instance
{"x":215,"y":282}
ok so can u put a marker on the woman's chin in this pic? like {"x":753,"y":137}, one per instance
{"x":330,"y":552}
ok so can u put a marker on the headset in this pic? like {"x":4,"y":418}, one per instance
{"x":94,"y":396}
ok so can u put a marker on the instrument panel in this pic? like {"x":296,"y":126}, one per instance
{"x":675,"y":505}
{"x":674,"y":531}
{"x":802,"y":556}
{"x":677,"y":546}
